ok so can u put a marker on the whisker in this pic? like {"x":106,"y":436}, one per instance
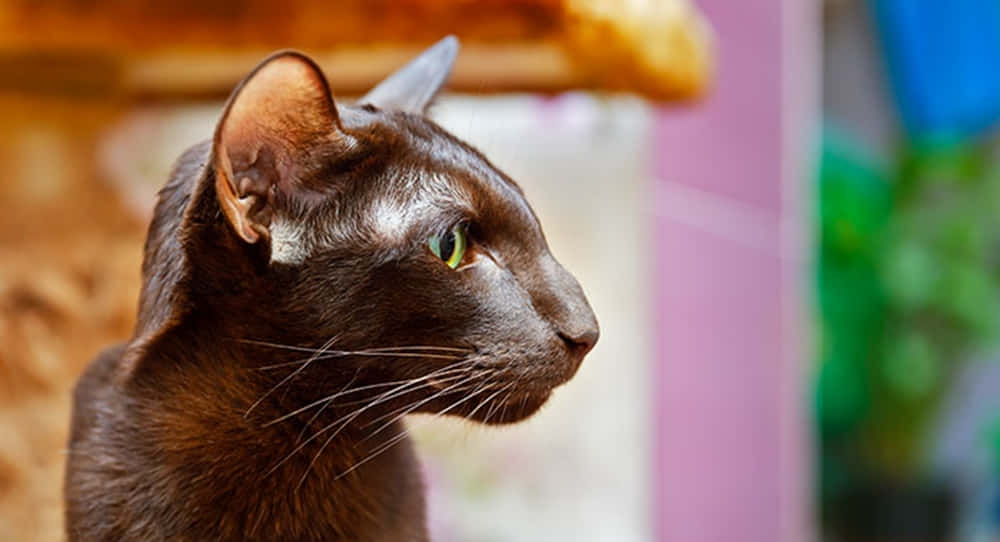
{"x":413,"y":348}
{"x":305,"y":427}
{"x":287,"y":363}
{"x":496,"y":406}
{"x":486,"y":401}
{"x":295,"y":373}
{"x":449,"y":376}
{"x":424,"y":347}
{"x":403,"y":434}
{"x":383,"y":448}
{"x":341,"y":393}
{"x":482,"y":387}
{"x":277,"y":345}
{"x":384,"y":348}
{"x":360,"y":353}
{"x":458,"y":367}
{"x":352,"y":417}
{"x":349,"y":418}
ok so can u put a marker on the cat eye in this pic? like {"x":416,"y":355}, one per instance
{"x":450,"y":247}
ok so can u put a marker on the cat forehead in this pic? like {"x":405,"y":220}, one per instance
{"x":414,"y":196}
{"x":435,"y":179}
{"x":425,"y":159}
{"x":384,"y":216}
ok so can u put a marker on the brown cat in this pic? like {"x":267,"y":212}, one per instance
{"x":311,"y":275}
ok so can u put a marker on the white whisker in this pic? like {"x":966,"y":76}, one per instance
{"x":350,"y":417}
{"x":290,"y":376}
{"x":403,"y":434}
{"x":482,"y":387}
{"x":354,"y":416}
{"x":400,"y":383}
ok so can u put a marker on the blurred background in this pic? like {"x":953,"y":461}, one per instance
{"x":786,"y":214}
{"x":907,"y":389}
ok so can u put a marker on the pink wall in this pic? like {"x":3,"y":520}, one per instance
{"x":730,"y":284}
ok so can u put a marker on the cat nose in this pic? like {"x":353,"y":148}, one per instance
{"x":566,"y":308}
{"x":582,"y":342}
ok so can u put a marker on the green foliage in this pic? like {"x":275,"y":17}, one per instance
{"x":909,"y":283}
{"x":941,"y":266}
{"x":853,"y":212}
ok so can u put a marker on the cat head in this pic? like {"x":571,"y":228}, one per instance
{"x":369,"y":234}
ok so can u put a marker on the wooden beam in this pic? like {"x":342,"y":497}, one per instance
{"x":659,"y":49}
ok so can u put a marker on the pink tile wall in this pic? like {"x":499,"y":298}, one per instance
{"x":729,"y":271}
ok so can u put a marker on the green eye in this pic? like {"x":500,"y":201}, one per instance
{"x":450,"y":247}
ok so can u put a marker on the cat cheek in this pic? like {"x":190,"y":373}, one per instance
{"x":475,"y":261}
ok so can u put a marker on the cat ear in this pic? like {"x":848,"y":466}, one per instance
{"x":278,"y":113}
{"x":412,"y":87}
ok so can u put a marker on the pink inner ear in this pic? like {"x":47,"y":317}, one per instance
{"x":283,"y":105}
{"x":282,"y":108}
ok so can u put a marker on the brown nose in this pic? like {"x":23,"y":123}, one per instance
{"x":565,"y":306}
{"x":581,"y":343}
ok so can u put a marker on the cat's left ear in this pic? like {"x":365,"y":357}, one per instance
{"x":275,"y":119}
{"x":413,"y":87}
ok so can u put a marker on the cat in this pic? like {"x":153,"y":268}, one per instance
{"x":312,"y":274}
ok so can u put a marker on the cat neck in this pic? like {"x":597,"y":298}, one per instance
{"x":252,"y":465}
{"x":254,"y":468}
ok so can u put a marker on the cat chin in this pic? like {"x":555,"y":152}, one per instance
{"x":510,"y":409}
{"x":517,"y":407}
